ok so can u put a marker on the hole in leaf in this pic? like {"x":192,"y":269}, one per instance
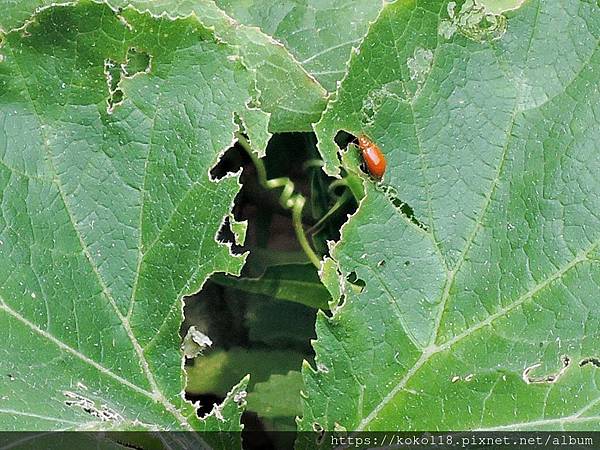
{"x":205,"y":402}
{"x":343,"y":138}
{"x":254,"y":104}
{"x":117,"y":97}
{"x":318,"y":428}
{"x":247,"y":325}
{"x":112,"y":70}
{"x":102,"y":412}
{"x":353,"y":279}
{"x":402,"y":207}
{"x":226,"y":236}
{"x":552,"y":378}
{"x":129,"y":444}
{"x":341,"y":302}
{"x":136,"y":62}
{"x":593,"y":361}
{"x":320,"y":434}
{"x":230,"y":162}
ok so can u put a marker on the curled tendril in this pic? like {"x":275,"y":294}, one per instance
{"x":288,"y":199}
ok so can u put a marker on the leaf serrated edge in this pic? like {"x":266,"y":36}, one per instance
{"x":236,"y":25}
{"x":156,"y":393}
{"x":329,"y":167}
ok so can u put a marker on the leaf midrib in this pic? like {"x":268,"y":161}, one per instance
{"x":4,"y":306}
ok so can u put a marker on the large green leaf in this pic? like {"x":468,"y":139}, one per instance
{"x":294,"y":99}
{"x":108,"y":216}
{"x":320,"y":34}
{"x":216,"y":372}
{"x":279,"y":396}
{"x":297,"y":283}
{"x":16,"y":12}
{"x":481,"y":311}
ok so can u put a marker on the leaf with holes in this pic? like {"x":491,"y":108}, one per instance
{"x":109,"y":124}
{"x":320,"y":34}
{"x":294,"y":98}
{"x":479,"y":308}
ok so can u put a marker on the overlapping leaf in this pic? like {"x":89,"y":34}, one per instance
{"x":481,"y":311}
{"x":108,"y":216}
{"x":319,"y":33}
{"x":288,"y":92}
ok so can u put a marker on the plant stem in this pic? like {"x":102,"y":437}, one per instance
{"x":338,"y":204}
{"x":288,"y":199}
{"x":300,"y":235}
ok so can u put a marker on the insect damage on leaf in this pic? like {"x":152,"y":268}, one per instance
{"x":552,"y":378}
{"x":240,"y":398}
{"x":420,"y":65}
{"x":401,"y":206}
{"x":136,"y":62}
{"x":488,"y":288}
{"x":590,"y":361}
{"x":239,"y":228}
{"x":396,"y":91}
{"x":473,"y":20}
{"x":103,"y":412}
{"x":119,"y":207}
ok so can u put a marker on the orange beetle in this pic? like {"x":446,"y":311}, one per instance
{"x":372,"y":156}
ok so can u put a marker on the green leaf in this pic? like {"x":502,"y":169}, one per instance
{"x":279,"y":396}
{"x":215,"y":372}
{"x":500,"y":6}
{"x":320,"y":34}
{"x":297,"y":283}
{"x":108,"y":215}
{"x":279,"y":324}
{"x":292,"y":97}
{"x":16,"y":12}
{"x":260,"y":259}
{"x":479,"y":310}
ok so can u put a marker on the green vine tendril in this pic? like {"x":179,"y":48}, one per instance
{"x":288,"y":199}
